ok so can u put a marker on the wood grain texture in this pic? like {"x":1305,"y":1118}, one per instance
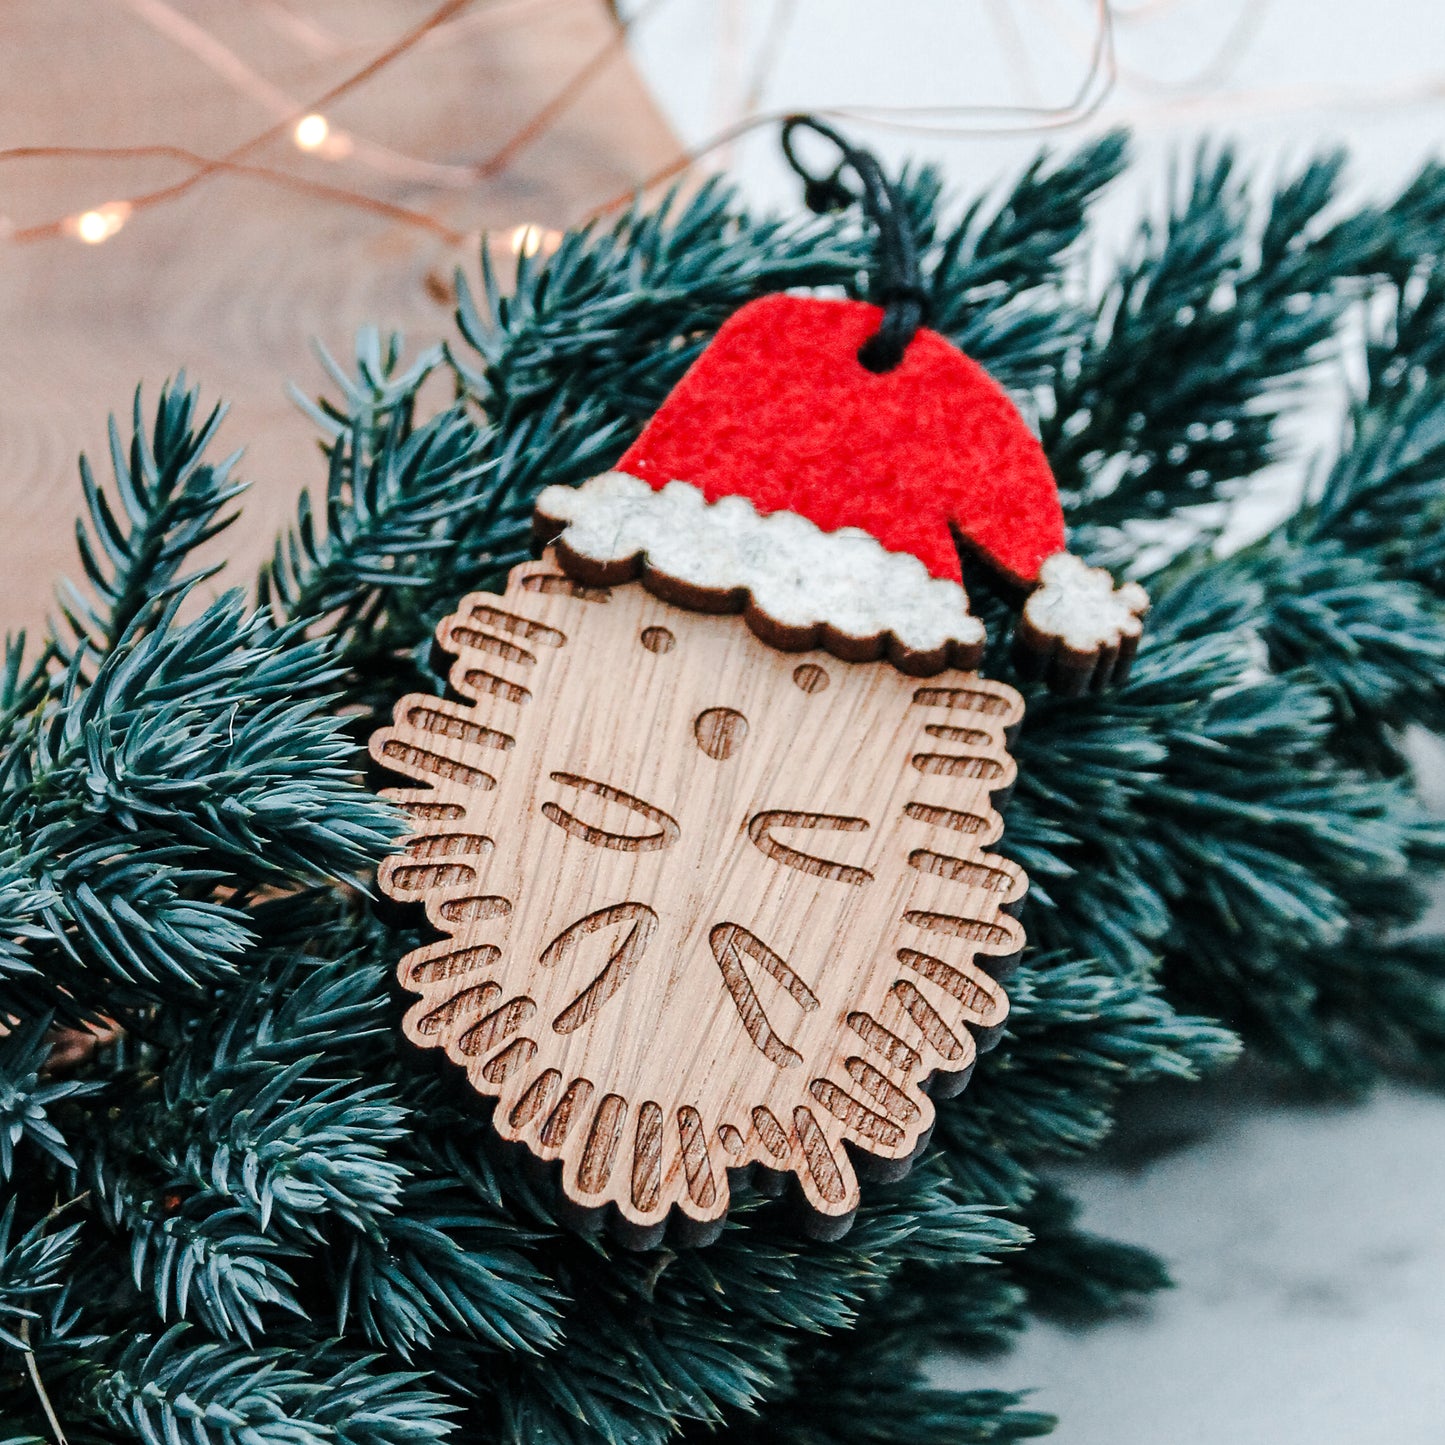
{"x":232,"y":281}
{"x":704,"y":906}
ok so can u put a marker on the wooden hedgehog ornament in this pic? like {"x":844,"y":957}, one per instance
{"x":704,"y":823}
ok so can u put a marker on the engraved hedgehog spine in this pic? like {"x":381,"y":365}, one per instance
{"x":432,"y":968}
{"x":890,"y":1098}
{"x":426,"y":766}
{"x":439,"y":1018}
{"x":695,"y":1163}
{"x":973,"y":873}
{"x":969,"y":737}
{"x":499,"y":620}
{"x":647,"y":1157}
{"x":884,"y":1043}
{"x":858,"y":1117}
{"x":970,"y":992}
{"x":446,"y":723}
{"x":554,"y":584}
{"x":601,"y":1148}
{"x":822,"y":1164}
{"x":516,"y":1055}
{"x":472,"y":682}
{"x":475,"y":640}
{"x":536,"y":1098}
{"x":990,"y":936}
{"x":500,"y":1024}
{"x":930,"y":1023}
{"x":483,"y":657}
{"x":969,"y":699}
{"x":426,"y":810}
{"x":559,"y":1122}
{"x":772,"y":1134}
{"x":957,"y":765}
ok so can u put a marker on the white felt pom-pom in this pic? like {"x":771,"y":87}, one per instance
{"x":1078,"y":627}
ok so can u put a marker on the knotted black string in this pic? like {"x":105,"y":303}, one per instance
{"x":897,"y":278}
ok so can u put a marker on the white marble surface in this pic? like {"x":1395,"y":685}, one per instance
{"x":1308,"y":1243}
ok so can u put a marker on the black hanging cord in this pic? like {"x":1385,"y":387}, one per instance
{"x":897,"y":280}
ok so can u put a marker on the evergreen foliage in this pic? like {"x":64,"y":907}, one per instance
{"x":237,"y":1212}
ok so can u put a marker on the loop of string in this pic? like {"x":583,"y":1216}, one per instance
{"x":897,"y":283}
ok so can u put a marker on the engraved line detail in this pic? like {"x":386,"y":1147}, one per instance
{"x":440,"y":723}
{"x":600,"y":1150}
{"x":647,"y":1157}
{"x":972,"y":930}
{"x":667,"y":830}
{"x":729,"y":942}
{"x":884,"y":1043}
{"x":974,"y":996}
{"x":569,"y":1107}
{"x":759,"y":830}
{"x":477,"y":680}
{"x":614,"y":973}
{"x":469,"y":637}
{"x":966,"y":698}
{"x":949,"y":765}
{"x":451,"y":965}
{"x":695,"y":1163}
{"x":553,"y":584}
{"x":930,"y":1023}
{"x":855,"y":1116}
{"x":821,"y":1163}
{"x":523,"y":627}
{"x":960,"y":870}
{"x":412,"y":760}
{"x":945,"y":817}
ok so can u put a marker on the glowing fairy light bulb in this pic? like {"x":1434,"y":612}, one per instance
{"x":99,"y":225}
{"x":91,"y":228}
{"x":528,"y":239}
{"x":311,"y":132}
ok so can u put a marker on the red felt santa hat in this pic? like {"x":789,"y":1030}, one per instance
{"x":784,"y":479}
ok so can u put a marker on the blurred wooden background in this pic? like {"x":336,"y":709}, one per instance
{"x":232,"y":279}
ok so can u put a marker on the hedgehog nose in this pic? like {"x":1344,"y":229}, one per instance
{"x":720,"y":732}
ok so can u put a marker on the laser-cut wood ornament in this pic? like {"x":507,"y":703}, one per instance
{"x":705,"y":823}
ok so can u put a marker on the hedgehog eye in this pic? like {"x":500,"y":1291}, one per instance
{"x":760,"y":830}
{"x":593,"y":799}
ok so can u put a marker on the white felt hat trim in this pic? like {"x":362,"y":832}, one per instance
{"x":844,"y":584}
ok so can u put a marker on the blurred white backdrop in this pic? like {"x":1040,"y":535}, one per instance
{"x":1283,"y":76}
{"x":1308,"y":1243}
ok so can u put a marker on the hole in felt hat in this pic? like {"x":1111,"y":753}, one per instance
{"x":658,"y":639}
{"x":810,"y":677}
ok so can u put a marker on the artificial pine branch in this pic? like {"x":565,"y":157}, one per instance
{"x":172,"y":502}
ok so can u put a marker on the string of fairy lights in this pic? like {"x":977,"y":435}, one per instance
{"x":312,"y":132}
{"x":1090,"y":25}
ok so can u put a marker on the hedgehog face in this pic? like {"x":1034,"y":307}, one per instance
{"x":705,"y":905}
